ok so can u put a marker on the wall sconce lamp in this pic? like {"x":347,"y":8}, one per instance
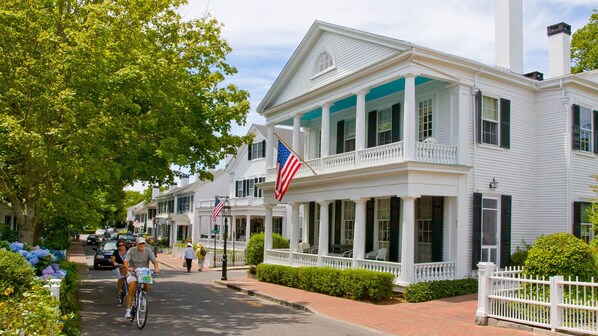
{"x":493,"y":184}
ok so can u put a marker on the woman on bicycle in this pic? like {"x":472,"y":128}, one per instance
{"x":118,"y":259}
{"x":137,"y":256}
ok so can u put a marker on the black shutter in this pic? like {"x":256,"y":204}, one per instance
{"x":577,"y":219}
{"x":255,"y":188}
{"x":437,"y":228}
{"x":338,"y":215}
{"x":312,"y":223}
{"x":478,"y":111}
{"x":396,"y":122}
{"x":476,"y":241}
{"x":369,"y":225}
{"x":330,"y":224}
{"x":596,"y":132}
{"x":372,"y":126}
{"x":340,"y":137}
{"x":245,"y":188}
{"x":575,"y":131}
{"x":249,"y":151}
{"x":505,"y":123}
{"x":237,"y":188}
{"x":395,"y":228}
{"x":263,"y":148}
{"x":505,"y":230}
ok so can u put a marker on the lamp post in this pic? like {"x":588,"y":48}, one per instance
{"x":226,"y":215}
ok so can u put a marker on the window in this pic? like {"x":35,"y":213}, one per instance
{"x":490,"y":120}
{"x":490,"y":230}
{"x":256,"y":150}
{"x":350,"y":135}
{"x":425,"y":119}
{"x":585,"y":129}
{"x":247,"y":188}
{"x":185,"y":204}
{"x":277,"y":225}
{"x":587,"y":233}
{"x":384,"y":127}
{"x":324,"y":62}
{"x":383,"y":222}
{"x":318,"y":144}
{"x":349,"y":221}
{"x":423,"y":219}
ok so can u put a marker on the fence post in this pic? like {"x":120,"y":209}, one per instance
{"x":556,"y":297}
{"x":485,"y":270}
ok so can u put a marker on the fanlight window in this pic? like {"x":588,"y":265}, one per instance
{"x":324,"y":62}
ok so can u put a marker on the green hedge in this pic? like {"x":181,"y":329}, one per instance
{"x":434,"y":290}
{"x":362,"y":285}
{"x":254,"y":251}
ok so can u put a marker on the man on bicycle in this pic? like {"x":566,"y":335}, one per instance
{"x":136,"y":257}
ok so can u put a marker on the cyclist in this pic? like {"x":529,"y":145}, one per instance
{"x":118,"y":258}
{"x":137,"y":256}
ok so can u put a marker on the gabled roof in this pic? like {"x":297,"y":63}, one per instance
{"x":188,"y":189}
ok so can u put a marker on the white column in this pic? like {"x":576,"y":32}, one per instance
{"x":324,"y":225}
{"x":408,"y":240}
{"x":325,"y":132}
{"x":409,"y":118}
{"x":247,"y":228}
{"x":359,"y":230}
{"x":268,"y":228}
{"x":463,"y":247}
{"x":360,"y":120}
{"x":485,"y":270}
{"x":464,"y":94}
{"x":294,"y":243}
{"x":270,"y":147}
{"x":296,"y":133}
{"x":233,"y":224}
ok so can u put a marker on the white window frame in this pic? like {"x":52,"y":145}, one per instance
{"x":324,"y":63}
{"x":586,"y":135}
{"x":587,"y":228}
{"x":495,"y":141}
{"x":348,"y":222}
{"x":382,"y":223}
{"x":384,"y":127}
{"x":491,"y":249}
{"x":348,"y":136}
{"x":425,"y":128}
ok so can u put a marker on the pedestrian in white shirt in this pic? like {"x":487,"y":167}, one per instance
{"x":189,"y":256}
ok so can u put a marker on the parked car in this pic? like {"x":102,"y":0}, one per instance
{"x":126,"y":238}
{"x":103,"y":255}
{"x":93,"y":240}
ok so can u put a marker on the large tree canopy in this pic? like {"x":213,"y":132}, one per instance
{"x":584,"y":46}
{"x":95,"y":94}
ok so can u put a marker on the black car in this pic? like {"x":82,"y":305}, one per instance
{"x":104,"y":254}
{"x":93,"y":240}
{"x":126,"y":238}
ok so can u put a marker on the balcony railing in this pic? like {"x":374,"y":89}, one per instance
{"x":376,"y":156}
{"x":234,"y":202}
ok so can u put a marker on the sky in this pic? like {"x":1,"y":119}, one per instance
{"x":264,"y":33}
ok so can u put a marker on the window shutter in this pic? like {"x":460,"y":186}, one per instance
{"x":255,"y":188}
{"x":372,"y":126}
{"x":476,"y":241}
{"x":575,"y":131}
{"x":396,"y":122}
{"x":478,"y":108}
{"x":369,"y":225}
{"x":505,"y":123}
{"x":437,"y":228}
{"x":312,"y":223}
{"x":237,"y":188}
{"x":249,"y":151}
{"x":263,"y":148}
{"x":577,"y":219}
{"x":340,"y":137}
{"x":338,"y":214}
{"x":596,"y":132}
{"x":245,"y":188}
{"x":395,"y":227}
{"x":505,"y":230}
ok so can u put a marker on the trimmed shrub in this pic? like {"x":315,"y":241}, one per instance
{"x":434,"y":290}
{"x":254,"y":251}
{"x":69,"y":306}
{"x":360,"y":285}
{"x":16,"y":273}
{"x":561,"y":254}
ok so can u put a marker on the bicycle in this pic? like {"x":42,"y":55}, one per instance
{"x":139,"y":307}
{"x":123,"y":291}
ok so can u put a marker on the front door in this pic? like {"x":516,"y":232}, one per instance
{"x":490,"y":238}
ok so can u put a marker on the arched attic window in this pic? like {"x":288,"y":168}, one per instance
{"x":325,"y":61}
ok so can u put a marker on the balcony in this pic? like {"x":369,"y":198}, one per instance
{"x":233,"y":202}
{"x":377,"y":156}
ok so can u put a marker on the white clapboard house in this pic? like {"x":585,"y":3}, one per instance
{"x":426,"y":162}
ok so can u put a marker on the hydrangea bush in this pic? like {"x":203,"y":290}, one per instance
{"x":41,"y":260}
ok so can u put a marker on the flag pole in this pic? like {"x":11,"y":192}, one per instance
{"x":297,"y":155}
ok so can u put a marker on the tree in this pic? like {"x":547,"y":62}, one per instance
{"x":97,"y":94}
{"x":584,"y":46}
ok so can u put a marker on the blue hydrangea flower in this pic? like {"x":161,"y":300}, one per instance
{"x":33,"y":261}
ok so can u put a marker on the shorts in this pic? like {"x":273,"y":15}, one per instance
{"x":131,"y":277}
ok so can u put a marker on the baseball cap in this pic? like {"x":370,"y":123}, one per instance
{"x":141,"y":241}
{"x":189,"y":245}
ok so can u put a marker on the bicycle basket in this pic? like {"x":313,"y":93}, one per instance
{"x":144,"y":275}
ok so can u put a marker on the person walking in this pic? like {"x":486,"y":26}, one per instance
{"x":189,"y":256}
{"x":200,"y":253}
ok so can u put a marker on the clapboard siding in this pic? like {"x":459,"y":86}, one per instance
{"x":350,"y":56}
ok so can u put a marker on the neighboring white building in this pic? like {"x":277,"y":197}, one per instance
{"x":439,"y":160}
{"x":244,"y":172}
{"x":7,"y":217}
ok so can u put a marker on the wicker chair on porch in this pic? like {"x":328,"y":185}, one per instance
{"x":379,"y":254}
{"x":348,"y":254}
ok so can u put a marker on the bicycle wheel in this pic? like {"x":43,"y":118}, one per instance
{"x":141,"y":309}
{"x":123,"y":294}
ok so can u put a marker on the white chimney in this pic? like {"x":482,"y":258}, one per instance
{"x":155,"y":192}
{"x":508,"y":35}
{"x":559,"y":50}
{"x":185,"y":180}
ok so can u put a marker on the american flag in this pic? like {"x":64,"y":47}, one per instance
{"x":218,"y":204}
{"x":287,"y":166}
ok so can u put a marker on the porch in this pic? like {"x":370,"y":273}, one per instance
{"x":422,"y":271}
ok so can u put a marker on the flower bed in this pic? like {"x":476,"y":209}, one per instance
{"x":44,"y":263}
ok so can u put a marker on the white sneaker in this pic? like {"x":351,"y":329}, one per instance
{"x":128,"y":313}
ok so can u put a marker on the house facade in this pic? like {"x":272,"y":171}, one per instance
{"x":428,"y":163}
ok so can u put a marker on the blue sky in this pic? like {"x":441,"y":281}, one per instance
{"x":264,"y":33}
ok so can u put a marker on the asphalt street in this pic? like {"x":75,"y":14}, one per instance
{"x":190,"y":303}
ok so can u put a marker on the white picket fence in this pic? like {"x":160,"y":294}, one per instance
{"x":554,"y":303}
